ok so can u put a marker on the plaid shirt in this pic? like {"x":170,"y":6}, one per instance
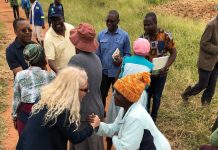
{"x":27,"y":85}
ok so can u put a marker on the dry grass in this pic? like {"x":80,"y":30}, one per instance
{"x":186,"y":126}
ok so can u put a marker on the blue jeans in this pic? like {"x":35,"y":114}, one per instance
{"x":155,"y":91}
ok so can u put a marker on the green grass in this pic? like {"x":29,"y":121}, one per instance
{"x":186,"y":126}
{"x":3,"y":88}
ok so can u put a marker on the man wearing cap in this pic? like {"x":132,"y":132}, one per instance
{"x":27,"y":84}
{"x":83,"y":37}
{"x":133,"y":128}
{"x":109,"y":40}
{"x":207,"y":65}
{"x":14,"y":52}
{"x":58,"y":48}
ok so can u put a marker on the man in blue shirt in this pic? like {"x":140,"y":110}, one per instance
{"x":109,"y":40}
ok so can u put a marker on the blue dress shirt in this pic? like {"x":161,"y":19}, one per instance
{"x":108,"y":43}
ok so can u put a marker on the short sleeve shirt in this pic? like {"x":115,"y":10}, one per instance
{"x":14,"y":55}
{"x":161,"y":45}
{"x":59,"y":48}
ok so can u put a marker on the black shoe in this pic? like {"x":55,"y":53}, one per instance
{"x":185,"y":94}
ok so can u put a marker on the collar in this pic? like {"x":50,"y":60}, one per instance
{"x":35,"y":2}
{"x":18,"y":44}
{"x":55,"y":34}
{"x":116,"y":32}
{"x":128,"y":111}
{"x":34,"y":68}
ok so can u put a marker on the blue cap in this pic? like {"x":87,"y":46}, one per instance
{"x":55,"y":12}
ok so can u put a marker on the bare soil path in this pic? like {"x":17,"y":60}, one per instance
{"x":6,"y":17}
{"x":193,"y":9}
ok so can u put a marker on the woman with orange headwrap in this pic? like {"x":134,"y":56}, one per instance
{"x":133,"y":128}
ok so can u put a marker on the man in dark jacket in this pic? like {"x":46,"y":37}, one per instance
{"x":207,"y":65}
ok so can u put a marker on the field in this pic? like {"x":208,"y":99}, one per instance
{"x":185,"y":125}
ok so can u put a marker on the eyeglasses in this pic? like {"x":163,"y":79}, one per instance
{"x":85,"y":90}
{"x":111,"y":21}
{"x":26,"y":30}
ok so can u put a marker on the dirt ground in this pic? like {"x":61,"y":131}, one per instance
{"x":194,"y":9}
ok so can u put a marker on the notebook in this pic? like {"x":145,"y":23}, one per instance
{"x":160,"y":62}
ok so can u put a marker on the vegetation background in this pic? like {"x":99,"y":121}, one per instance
{"x":186,"y":126}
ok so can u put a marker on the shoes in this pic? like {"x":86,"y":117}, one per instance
{"x":185,"y":95}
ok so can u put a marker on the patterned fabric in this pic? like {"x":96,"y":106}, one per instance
{"x":132,"y":86}
{"x":27,"y":84}
{"x":161,"y":45}
{"x":33,"y":53}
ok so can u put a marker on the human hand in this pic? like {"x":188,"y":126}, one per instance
{"x":163,"y":70}
{"x":94,"y":120}
{"x":118,"y":61}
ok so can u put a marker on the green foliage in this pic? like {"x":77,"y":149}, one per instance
{"x":158,"y":1}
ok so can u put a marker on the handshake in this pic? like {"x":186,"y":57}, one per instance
{"x":94,"y":120}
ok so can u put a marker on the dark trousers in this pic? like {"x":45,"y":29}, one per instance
{"x":16,"y":12}
{"x":155,"y":91}
{"x":27,"y":12}
{"x":207,"y":80}
{"x":106,"y":82}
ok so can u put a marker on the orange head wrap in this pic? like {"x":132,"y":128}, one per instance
{"x":132,"y":86}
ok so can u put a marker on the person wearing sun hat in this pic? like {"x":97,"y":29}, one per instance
{"x":83,"y":37}
{"x":133,"y":128}
{"x":130,"y":65}
{"x":27,"y":83}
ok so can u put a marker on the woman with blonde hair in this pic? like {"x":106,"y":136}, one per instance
{"x":55,"y":118}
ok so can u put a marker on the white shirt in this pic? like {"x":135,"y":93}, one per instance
{"x":127,"y":131}
{"x":32,"y":11}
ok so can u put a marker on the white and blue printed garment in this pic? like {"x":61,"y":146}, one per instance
{"x":134,"y":130}
{"x":27,"y":85}
{"x":130,"y":65}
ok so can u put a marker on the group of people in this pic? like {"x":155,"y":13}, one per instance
{"x":65,"y":99}
{"x":34,"y":12}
